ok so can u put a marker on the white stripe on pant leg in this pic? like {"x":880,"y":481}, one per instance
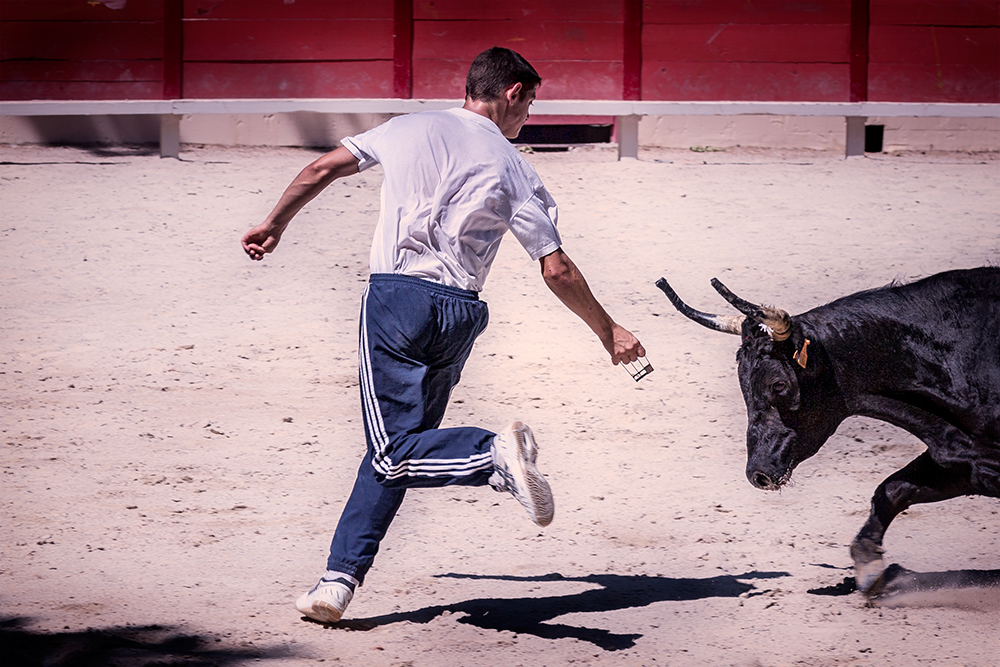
{"x":369,"y":401}
{"x":441,"y":467}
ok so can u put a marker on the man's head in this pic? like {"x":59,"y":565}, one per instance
{"x":495,"y":70}
{"x":501,"y":86}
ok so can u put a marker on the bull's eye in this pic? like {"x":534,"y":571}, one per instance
{"x":779,"y":387}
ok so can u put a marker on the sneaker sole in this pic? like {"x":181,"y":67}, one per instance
{"x":319,"y":610}
{"x":542,"y":507}
{"x":324,"y":613}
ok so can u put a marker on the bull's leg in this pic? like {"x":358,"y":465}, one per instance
{"x":920,"y":481}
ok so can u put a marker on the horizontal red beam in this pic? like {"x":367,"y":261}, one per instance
{"x":547,"y":40}
{"x":518,"y":10}
{"x":260,"y":40}
{"x":935,"y":12}
{"x":921,"y":45}
{"x":74,"y":40}
{"x":719,"y":12}
{"x":747,"y":43}
{"x":75,"y":70}
{"x":81,"y":90}
{"x":685,"y":81}
{"x":932,"y":83}
{"x":285,"y":80}
{"x":277,"y":9}
{"x":78,"y":10}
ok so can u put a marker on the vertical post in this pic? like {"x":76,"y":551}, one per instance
{"x":173,"y":57}
{"x":860,"y":19}
{"x":860,"y":22}
{"x":628,"y":137}
{"x":855,"y":135}
{"x":402,"y":49}
{"x":173,"y":48}
{"x":632,"y":51}
{"x":170,"y":135}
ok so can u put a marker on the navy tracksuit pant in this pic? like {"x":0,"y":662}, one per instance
{"x":416,"y":336}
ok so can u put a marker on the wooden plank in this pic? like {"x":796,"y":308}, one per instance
{"x":601,"y":80}
{"x":531,"y":10}
{"x":283,"y":80}
{"x":936,"y":12}
{"x":81,"y":90}
{"x":87,"y":70}
{"x":547,"y":40}
{"x":298,"y":9}
{"x":77,"y":10}
{"x":65,"y":40}
{"x":747,"y":43}
{"x":262,"y":40}
{"x":932,"y":83}
{"x":675,"y":12}
{"x":816,"y":82}
{"x":923,"y":45}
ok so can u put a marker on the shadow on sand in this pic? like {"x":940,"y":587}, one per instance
{"x":977,"y":590}
{"x":531,"y":615}
{"x":134,"y":646}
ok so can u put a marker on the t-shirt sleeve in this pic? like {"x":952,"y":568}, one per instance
{"x":362,"y":146}
{"x":534,"y":225}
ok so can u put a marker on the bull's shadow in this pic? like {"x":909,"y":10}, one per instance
{"x":964,"y":589}
{"x":531,"y":615}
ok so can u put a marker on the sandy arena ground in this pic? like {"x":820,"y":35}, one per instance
{"x":180,"y":425}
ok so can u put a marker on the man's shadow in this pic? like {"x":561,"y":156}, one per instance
{"x":531,"y":615}
{"x":137,"y":646}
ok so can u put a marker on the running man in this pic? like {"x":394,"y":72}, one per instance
{"x":453,"y":186}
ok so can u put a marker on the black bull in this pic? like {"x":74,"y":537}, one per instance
{"x":923,"y":356}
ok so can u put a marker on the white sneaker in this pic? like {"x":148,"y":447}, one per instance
{"x":514,"y":453}
{"x":327,"y":600}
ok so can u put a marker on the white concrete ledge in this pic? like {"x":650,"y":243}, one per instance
{"x":627,"y":112}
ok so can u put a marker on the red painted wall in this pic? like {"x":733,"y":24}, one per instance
{"x":797,"y":50}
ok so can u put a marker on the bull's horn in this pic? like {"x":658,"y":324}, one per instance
{"x":775,"y":319}
{"x":727,"y":323}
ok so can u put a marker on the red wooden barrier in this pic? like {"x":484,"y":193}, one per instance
{"x":766,"y":50}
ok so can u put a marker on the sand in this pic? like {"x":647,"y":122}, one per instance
{"x":181,"y":425}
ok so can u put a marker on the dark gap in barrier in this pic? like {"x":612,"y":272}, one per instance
{"x":561,"y":137}
{"x":873,"y":138}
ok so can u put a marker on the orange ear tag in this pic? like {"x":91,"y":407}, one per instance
{"x":802,"y":356}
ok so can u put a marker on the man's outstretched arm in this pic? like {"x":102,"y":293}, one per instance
{"x":567,"y":283}
{"x":312,"y":180}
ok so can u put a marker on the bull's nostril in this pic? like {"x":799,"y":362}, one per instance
{"x":761,"y":481}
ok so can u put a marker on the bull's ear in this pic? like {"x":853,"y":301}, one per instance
{"x":802,"y":354}
{"x":800,"y":346}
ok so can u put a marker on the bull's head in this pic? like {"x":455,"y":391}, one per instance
{"x":789,"y":390}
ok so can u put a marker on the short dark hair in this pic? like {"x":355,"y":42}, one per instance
{"x":494,"y":70}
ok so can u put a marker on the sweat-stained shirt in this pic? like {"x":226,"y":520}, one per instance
{"x":453,"y":185}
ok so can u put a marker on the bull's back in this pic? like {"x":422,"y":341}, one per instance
{"x":934,"y":343}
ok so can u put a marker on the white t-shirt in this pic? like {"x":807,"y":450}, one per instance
{"x":453,"y":185}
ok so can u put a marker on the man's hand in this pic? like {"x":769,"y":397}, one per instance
{"x":264,"y":238}
{"x":625,"y":348}
{"x":567,"y":283}
{"x":259,"y":241}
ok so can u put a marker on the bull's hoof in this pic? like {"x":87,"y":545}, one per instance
{"x":869,"y":570}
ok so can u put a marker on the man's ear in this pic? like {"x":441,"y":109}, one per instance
{"x":514,"y":92}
